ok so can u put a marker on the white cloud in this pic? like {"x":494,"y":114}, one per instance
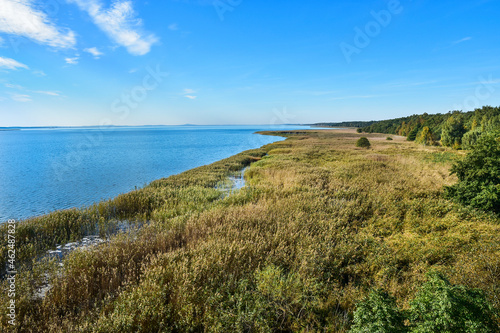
{"x":71,"y":61}
{"x":94,"y":51}
{"x":13,"y":86}
{"x":318,"y":92}
{"x":50,"y":93}
{"x":21,"y":98}
{"x":461,"y":40}
{"x":18,"y":17}
{"x":353,"y":97}
{"x":39,"y":73}
{"x":188,"y":93}
{"x":9,"y":63}
{"x":173,"y":27}
{"x":119,"y":22}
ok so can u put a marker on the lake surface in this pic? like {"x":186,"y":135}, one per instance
{"x":42,"y":170}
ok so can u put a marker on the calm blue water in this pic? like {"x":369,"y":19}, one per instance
{"x":42,"y":170}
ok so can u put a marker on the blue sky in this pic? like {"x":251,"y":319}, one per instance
{"x":91,"y":62}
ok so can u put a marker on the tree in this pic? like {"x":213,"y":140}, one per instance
{"x":470,"y":138}
{"x":401,"y":130}
{"x":359,"y":130}
{"x":474,"y":124}
{"x":479,"y":175}
{"x":452,"y":132}
{"x":363,"y":142}
{"x":378,"y":313}
{"x":425,"y":137}
{"x":413,"y":133}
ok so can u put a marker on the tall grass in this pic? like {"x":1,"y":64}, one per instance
{"x":319,"y":224}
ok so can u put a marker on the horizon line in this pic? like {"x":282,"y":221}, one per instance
{"x":160,"y":125}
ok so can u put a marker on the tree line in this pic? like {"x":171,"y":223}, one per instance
{"x":456,"y":129}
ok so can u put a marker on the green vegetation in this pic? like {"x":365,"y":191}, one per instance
{"x":479,"y":175}
{"x":346,"y":124}
{"x":438,"y":306}
{"x":452,"y":132}
{"x":425,"y":137}
{"x":363,"y":142}
{"x":455,"y":129}
{"x":319,"y":225}
{"x":442,"y":307}
{"x":378,"y":313}
{"x":389,"y":138}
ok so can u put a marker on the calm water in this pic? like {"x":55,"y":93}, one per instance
{"x":42,"y":170}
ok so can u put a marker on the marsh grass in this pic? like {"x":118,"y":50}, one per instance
{"x":318,"y":225}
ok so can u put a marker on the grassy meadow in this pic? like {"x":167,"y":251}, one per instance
{"x":319,"y":224}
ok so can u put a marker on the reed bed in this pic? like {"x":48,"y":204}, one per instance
{"x":319,"y":224}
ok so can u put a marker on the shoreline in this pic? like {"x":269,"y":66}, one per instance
{"x":319,"y":224}
{"x":41,"y":208}
{"x":91,"y":224}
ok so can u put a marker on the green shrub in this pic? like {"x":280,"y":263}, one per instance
{"x":479,"y":175}
{"x":438,"y":306}
{"x":389,"y":138}
{"x":359,"y":130}
{"x":442,"y":307}
{"x":378,"y":313}
{"x":363,"y":142}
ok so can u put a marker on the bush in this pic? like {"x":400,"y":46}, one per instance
{"x":389,"y":138}
{"x":359,"y":130}
{"x":363,"y":143}
{"x":479,"y":175}
{"x":378,"y":313}
{"x":438,"y":306}
{"x":442,"y":307}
